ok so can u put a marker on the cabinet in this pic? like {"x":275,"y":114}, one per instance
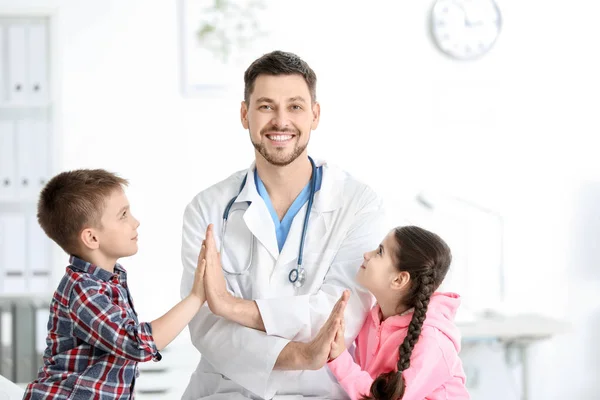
{"x":26,"y":156}
{"x":25,"y":153}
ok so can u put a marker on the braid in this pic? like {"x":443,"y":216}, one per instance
{"x":423,"y":295}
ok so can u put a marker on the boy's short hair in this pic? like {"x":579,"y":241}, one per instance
{"x":74,"y":200}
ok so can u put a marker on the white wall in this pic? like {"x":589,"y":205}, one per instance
{"x":390,"y":115}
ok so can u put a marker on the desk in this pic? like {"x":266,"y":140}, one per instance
{"x":517,"y":331}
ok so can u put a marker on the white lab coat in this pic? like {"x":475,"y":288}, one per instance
{"x":237,"y":362}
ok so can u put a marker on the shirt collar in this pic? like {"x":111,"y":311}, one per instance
{"x":95,"y":270}
{"x":330,"y":184}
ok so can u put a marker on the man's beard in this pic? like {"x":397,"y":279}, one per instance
{"x":279,"y":159}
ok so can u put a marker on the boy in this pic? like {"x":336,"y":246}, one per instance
{"x":94,"y":338}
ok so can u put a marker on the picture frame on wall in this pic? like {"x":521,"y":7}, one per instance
{"x":216,"y":39}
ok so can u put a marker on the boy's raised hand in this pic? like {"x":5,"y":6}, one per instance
{"x":217,"y":296}
{"x":198,"y":286}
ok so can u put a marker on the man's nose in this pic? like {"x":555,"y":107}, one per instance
{"x":280,"y":120}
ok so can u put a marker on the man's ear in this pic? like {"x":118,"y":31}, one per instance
{"x":244,"y":115}
{"x":316,"y":111}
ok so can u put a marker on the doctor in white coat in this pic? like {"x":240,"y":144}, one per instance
{"x":246,"y":345}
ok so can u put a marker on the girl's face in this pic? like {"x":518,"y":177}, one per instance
{"x":378,"y":273}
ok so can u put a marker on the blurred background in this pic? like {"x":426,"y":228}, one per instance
{"x":473,"y":118}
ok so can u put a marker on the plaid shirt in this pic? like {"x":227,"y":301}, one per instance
{"x":94,"y":338}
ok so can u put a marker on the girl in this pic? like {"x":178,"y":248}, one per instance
{"x":408,"y":346}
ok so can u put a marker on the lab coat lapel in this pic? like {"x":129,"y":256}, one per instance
{"x":257,"y":216}
{"x":327,"y":199}
{"x":331,"y":194}
{"x":316,"y":229}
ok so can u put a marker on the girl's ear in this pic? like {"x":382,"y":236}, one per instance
{"x":401,"y":281}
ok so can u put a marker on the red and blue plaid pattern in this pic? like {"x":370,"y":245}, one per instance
{"x":94,"y":338}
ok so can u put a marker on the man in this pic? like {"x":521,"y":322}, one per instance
{"x":245,"y":346}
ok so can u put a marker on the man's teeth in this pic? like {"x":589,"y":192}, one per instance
{"x":280,"y":138}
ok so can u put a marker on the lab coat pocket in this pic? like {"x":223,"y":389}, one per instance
{"x":316,"y":265}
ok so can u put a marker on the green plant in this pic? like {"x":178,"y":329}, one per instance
{"x":230,"y":25}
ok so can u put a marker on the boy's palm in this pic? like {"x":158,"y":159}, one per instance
{"x":215,"y":285}
{"x":198,"y":286}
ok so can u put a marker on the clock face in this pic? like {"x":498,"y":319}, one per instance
{"x":465,"y":29}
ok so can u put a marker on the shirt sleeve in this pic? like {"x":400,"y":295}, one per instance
{"x":101,"y":323}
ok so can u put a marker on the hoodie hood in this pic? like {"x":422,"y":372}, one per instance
{"x":440,"y":315}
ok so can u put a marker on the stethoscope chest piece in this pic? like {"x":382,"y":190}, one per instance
{"x":297,"y":276}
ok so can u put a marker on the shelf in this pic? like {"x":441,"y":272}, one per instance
{"x":27,"y":205}
{"x":9,"y":106}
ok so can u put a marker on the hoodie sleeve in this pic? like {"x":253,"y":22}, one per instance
{"x":429,"y":365}
{"x":350,"y":376}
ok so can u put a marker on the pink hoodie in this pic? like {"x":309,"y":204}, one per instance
{"x":435,"y":371}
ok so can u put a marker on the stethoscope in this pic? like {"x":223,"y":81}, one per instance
{"x":297,"y":276}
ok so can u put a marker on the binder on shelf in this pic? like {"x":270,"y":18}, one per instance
{"x":39,"y":260}
{"x":26,"y":159}
{"x":37,"y":62}
{"x":3,"y":97}
{"x":12,"y":253}
{"x":40,"y":153}
{"x":17,"y":60}
{"x":8,"y":162}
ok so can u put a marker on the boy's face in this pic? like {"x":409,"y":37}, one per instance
{"x":118,"y":233}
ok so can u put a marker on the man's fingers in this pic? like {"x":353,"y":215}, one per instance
{"x":341,"y":331}
{"x":334,"y":313}
{"x":202,"y":268}
{"x":202,"y":253}
{"x":332,"y":330}
{"x":337,"y":311}
{"x":343,"y":302}
{"x":338,"y":332}
{"x":211,"y":248}
{"x":346,"y":295}
{"x":210,"y":238}
{"x":340,"y":306}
